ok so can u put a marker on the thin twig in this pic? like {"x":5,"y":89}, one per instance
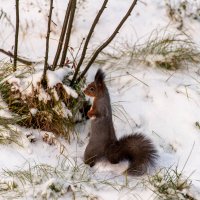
{"x":74,"y":60}
{"x":107,"y":42}
{"x":22,"y":60}
{"x":138,"y":79}
{"x":88,"y":39}
{"x":47,"y":45}
{"x":62,"y":35}
{"x":170,"y":76}
{"x":68,"y":34}
{"x":188,"y":157}
{"x":186,"y":92}
{"x":16,"y":36}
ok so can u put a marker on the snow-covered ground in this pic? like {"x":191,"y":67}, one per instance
{"x":164,"y":105}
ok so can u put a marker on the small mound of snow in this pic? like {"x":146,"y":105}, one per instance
{"x":57,"y":76}
{"x":33,"y":111}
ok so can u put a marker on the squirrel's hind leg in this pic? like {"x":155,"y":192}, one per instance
{"x":90,"y":161}
{"x":91,"y":156}
{"x":113,"y":153}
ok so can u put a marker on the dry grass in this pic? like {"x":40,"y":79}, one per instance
{"x":49,"y":115}
{"x":166,"y":51}
{"x":169,"y":184}
{"x":67,"y":180}
{"x":178,"y":11}
{"x":9,"y":134}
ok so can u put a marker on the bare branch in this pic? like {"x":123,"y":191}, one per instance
{"x":74,"y":60}
{"x":88,"y":39}
{"x":47,"y":45}
{"x":62,"y":35}
{"x":16,"y":36}
{"x":106,"y":43}
{"x":68,"y":34}
{"x":22,"y":60}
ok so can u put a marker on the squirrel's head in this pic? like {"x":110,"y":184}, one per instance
{"x":95,"y":88}
{"x":91,"y":90}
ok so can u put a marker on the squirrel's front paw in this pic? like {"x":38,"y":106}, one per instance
{"x":93,"y":117}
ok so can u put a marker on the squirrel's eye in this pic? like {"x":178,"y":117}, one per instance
{"x":92,"y":89}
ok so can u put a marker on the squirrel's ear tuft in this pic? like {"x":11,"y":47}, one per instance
{"x":99,"y":77}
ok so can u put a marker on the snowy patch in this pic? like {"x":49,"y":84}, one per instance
{"x":33,"y":111}
{"x":70,"y":91}
{"x":57,"y":76}
{"x":62,"y":110}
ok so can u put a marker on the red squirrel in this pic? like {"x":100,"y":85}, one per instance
{"x":103,"y":143}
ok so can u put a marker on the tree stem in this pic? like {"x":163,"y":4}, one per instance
{"x":88,"y":39}
{"x":68,"y":34}
{"x":62,"y":35}
{"x":107,"y":42}
{"x":44,"y":81}
{"x":16,"y":36}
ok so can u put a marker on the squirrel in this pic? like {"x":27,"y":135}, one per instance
{"x":103,"y":143}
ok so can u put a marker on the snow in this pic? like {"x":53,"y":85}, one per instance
{"x":163,"y":105}
{"x":70,"y":91}
{"x":55,"y":77}
{"x":33,"y":111}
{"x":62,"y":110}
{"x":31,"y":83}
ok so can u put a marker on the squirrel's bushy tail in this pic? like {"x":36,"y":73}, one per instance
{"x":136,"y":148}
